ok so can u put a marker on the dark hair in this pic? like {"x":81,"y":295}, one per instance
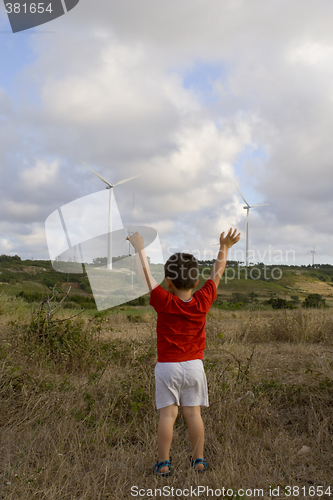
{"x":183,"y":270}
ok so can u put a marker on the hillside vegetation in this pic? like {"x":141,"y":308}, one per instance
{"x":240,"y":287}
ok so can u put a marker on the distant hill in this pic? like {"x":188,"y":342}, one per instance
{"x":260,"y":283}
{"x":33,"y":280}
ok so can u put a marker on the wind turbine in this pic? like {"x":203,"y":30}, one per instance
{"x":247,"y":208}
{"x":110,"y":186}
{"x":313,"y":254}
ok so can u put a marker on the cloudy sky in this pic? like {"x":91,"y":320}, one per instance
{"x":196,"y":95}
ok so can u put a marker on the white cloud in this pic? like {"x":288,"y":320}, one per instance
{"x":19,"y":210}
{"x":107,"y":93}
{"x":34,"y":241}
{"x":124,"y":93}
{"x":42,"y":175}
{"x":312,"y":53}
{"x":25,"y":240}
{"x":6,"y":246}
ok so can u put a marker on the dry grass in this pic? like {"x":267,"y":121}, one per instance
{"x":80,"y":422}
{"x":297,"y":325}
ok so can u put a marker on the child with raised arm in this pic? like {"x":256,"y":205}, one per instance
{"x":181,"y":318}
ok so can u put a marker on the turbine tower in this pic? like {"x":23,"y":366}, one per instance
{"x":247,"y":208}
{"x":110,"y":186}
{"x":313,"y":254}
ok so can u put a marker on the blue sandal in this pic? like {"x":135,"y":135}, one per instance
{"x":158,"y":466}
{"x":198,"y":461}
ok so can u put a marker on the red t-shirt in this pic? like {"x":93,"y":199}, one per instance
{"x":180,"y":324}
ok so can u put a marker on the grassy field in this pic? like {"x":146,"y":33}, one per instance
{"x":79,"y":421}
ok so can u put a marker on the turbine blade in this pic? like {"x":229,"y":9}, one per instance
{"x":102,"y":178}
{"x":241,"y":195}
{"x":125,"y":223}
{"x":126,"y":180}
{"x":318,"y":256}
{"x":260,"y":205}
{"x":132,"y":218}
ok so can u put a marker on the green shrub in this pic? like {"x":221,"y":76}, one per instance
{"x":32,"y":296}
{"x":140,"y":301}
{"x":80,"y":300}
{"x":8,"y":258}
{"x":62,"y":341}
{"x":239,"y":297}
{"x":314,"y":300}
{"x":278,"y":303}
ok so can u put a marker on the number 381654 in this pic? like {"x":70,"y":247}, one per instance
{"x":33,"y":8}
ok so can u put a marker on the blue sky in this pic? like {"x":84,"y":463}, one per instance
{"x":201,"y":78}
{"x":15,"y":54}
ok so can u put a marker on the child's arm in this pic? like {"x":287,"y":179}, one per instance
{"x":225,"y":243}
{"x":141,"y":260}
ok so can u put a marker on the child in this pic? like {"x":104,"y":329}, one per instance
{"x":181,"y":317}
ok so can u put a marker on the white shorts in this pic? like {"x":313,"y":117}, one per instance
{"x":182,"y":383}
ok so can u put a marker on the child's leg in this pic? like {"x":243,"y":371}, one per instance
{"x":192,"y":415}
{"x":168,"y":416}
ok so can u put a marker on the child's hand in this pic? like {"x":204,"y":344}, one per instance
{"x":136,"y":240}
{"x":230,"y":239}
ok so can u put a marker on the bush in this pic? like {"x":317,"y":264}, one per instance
{"x":314,"y":300}
{"x":140,"y":301}
{"x":8,"y":258}
{"x":81,"y":301}
{"x":239,"y":297}
{"x":278,"y":303}
{"x":64,"y":341}
{"x":85,"y":285}
{"x":32,"y":296}
{"x":76,"y":300}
